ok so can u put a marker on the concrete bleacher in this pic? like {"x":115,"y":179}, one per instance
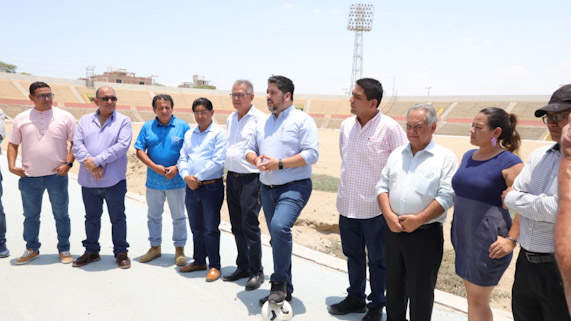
{"x":454,"y":129}
{"x":532,"y":132}
{"x":9,"y":91}
{"x":526,"y":109}
{"x":469,"y":109}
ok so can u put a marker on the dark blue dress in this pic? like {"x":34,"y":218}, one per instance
{"x":479,"y":217}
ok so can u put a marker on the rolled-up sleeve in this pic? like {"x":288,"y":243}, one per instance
{"x":309,"y":142}
{"x":445,"y":195}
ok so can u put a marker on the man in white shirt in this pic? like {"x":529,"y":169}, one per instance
{"x":243,"y":187}
{"x":414,"y":193}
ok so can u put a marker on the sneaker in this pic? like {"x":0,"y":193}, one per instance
{"x":153,"y":253}
{"x":28,"y":255}
{"x":4,"y":252}
{"x":348,"y":305}
{"x":65,"y":257}
{"x":85,"y":259}
{"x":263,"y":300}
{"x":179,"y":257}
{"x":123,"y":261}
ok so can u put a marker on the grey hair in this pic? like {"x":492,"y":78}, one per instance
{"x":249,"y":86}
{"x":431,"y":116}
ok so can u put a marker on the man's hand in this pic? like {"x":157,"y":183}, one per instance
{"x":393,"y":222}
{"x":501,"y":247}
{"x":267,"y":163}
{"x":171,"y":171}
{"x":62,"y":170}
{"x":97,"y":173}
{"x":504,"y":193}
{"x":17,"y":171}
{"x":410,"y":222}
{"x":192,"y":182}
{"x":159,"y":169}
{"x":89,"y":164}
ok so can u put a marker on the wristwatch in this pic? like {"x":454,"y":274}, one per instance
{"x":511,"y":239}
{"x":281,"y":164}
{"x":69,"y":164}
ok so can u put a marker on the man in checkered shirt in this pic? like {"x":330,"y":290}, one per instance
{"x":365,"y":143}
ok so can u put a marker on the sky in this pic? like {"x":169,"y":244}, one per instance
{"x":501,"y":47}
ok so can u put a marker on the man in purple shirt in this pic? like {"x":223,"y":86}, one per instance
{"x":100,"y":146}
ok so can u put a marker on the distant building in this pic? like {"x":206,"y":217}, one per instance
{"x":198,"y":81}
{"x":122,"y":76}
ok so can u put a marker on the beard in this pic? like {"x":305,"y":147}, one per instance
{"x":273,"y":107}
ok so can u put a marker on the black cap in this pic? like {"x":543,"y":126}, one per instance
{"x":560,"y":101}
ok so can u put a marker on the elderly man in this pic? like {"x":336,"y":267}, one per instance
{"x":537,"y":292}
{"x":158,"y":147}
{"x":100,"y":145}
{"x":243,"y":187}
{"x":414,"y":193}
{"x":365,"y":143}
{"x":283,"y":149}
{"x":44,"y":132}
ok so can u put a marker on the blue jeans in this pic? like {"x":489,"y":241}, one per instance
{"x":156,"y":202}
{"x":93,"y":199}
{"x":243,"y":198}
{"x":282,"y":206}
{"x":356,"y":234}
{"x":203,"y":206}
{"x":32,"y":190}
{"x":2,"y":215}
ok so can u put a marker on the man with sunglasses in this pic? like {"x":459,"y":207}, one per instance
{"x":537,"y":292}
{"x":43,"y":132}
{"x":100,"y":146}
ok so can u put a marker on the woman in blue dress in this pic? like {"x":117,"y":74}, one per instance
{"x":482,"y":231}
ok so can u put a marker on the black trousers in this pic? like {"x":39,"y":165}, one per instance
{"x":537,"y":292}
{"x":243,"y":199}
{"x":413,"y":260}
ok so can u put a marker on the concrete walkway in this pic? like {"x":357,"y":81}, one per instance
{"x":45,"y":289}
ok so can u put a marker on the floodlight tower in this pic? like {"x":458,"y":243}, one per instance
{"x":360,"y":19}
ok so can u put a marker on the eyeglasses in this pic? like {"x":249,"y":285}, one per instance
{"x":201,"y":113}
{"x":108,"y":98}
{"x":557,"y":117}
{"x":415,"y":127}
{"x":238,"y":95}
{"x":44,"y":96}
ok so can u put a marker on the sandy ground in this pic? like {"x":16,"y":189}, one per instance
{"x":317,"y":227}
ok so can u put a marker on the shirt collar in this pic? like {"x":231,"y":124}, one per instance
{"x":429,"y":148}
{"x":197,"y":128}
{"x":170,"y":124}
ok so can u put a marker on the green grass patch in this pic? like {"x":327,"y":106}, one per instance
{"x":325,"y":183}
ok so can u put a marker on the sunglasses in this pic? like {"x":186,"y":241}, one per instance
{"x":44,"y":96}
{"x":555,"y":117}
{"x":107,"y":98}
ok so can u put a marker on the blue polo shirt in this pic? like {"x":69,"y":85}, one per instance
{"x":162,"y":144}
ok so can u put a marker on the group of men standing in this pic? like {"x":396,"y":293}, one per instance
{"x":396,"y":220}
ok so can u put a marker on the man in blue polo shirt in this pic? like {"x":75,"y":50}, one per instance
{"x":158,"y":146}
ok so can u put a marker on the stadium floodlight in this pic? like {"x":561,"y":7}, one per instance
{"x":360,"y":19}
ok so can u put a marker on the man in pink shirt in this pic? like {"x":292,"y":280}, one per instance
{"x":365,"y":142}
{"x":44,"y":132}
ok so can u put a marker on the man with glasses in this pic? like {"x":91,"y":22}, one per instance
{"x":537,"y":292}
{"x":158,"y":147}
{"x":243,"y":187}
{"x":283,"y":149}
{"x":44,"y":132}
{"x":100,"y":146}
{"x":201,"y":165}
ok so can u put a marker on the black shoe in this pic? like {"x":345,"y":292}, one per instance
{"x":348,"y":305}
{"x":374,"y":314}
{"x":237,"y":275}
{"x":255,"y":281}
{"x":277,"y":292}
{"x":85,"y":259}
{"x":265,"y":299}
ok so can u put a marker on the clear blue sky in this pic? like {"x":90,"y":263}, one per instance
{"x":455,"y":47}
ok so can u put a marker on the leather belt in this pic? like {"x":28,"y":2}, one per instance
{"x":429,"y":226}
{"x":536,"y":258}
{"x":241,"y":174}
{"x":210,"y":181}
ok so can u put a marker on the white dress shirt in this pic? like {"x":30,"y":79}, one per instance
{"x":413,"y":182}
{"x":239,"y":133}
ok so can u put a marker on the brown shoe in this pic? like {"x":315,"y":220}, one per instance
{"x":179,"y":257}
{"x":213,"y":275}
{"x":85,"y":259}
{"x":192,"y":267}
{"x":153,"y":253}
{"x":123,"y":261}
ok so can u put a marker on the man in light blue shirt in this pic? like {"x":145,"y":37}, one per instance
{"x":100,"y":145}
{"x":162,"y":140}
{"x":283,"y":149}
{"x":201,"y":165}
{"x":414,"y":193}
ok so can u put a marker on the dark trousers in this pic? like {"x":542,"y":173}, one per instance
{"x":356,"y":234}
{"x":93,"y":199}
{"x":203,"y":206}
{"x":243,"y":199}
{"x":413,"y":260}
{"x":2,"y":216}
{"x":537,"y":292}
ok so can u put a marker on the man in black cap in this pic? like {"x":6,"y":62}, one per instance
{"x":537,"y":292}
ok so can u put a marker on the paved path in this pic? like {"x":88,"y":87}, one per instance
{"x":45,"y":289}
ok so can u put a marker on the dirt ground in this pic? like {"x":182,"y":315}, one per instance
{"x":317,"y":227}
